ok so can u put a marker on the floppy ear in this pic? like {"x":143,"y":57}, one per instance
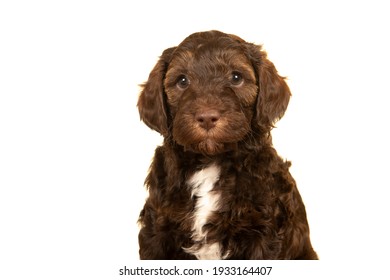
{"x":274,"y":93}
{"x":151,"y":102}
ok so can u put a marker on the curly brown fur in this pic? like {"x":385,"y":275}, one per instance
{"x":215,"y":99}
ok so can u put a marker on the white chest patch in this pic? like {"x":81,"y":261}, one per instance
{"x":202,"y":184}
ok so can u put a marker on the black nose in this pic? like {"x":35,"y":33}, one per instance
{"x":207,"y":119}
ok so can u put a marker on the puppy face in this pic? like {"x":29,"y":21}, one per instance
{"x":207,"y":92}
{"x":211,"y":91}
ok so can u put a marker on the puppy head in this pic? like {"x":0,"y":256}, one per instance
{"x":209,"y":92}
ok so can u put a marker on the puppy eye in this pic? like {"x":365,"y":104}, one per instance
{"x":182,"y":82}
{"x":236,"y":78}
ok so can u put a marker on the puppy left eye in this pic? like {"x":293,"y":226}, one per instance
{"x":182,"y":82}
{"x":236,"y":79}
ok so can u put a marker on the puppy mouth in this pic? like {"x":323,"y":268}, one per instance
{"x":216,"y":137}
{"x":210,"y":147}
{"x":209,"y":142}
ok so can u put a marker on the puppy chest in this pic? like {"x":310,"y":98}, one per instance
{"x":207,"y":202}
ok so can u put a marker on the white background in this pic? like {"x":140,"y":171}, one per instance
{"x":74,"y":155}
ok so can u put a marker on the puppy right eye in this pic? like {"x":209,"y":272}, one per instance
{"x":236,"y":78}
{"x":182,"y":82}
